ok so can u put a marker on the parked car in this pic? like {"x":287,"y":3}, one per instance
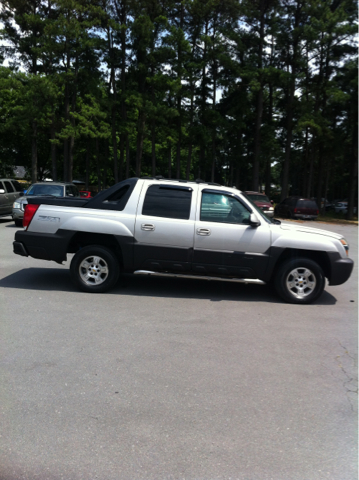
{"x":341,"y":206}
{"x":297,"y":207}
{"x":10,"y":190}
{"x":85,"y":194}
{"x":52,"y":189}
{"x":262,"y":201}
{"x":155,"y":226}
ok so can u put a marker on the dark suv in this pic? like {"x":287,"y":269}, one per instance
{"x":297,"y":207}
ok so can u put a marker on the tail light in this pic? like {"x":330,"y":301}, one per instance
{"x":295,"y":210}
{"x":30,"y":211}
{"x":317,"y":212}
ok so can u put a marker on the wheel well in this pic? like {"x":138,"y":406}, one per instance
{"x":321,"y":258}
{"x":84,"y":239}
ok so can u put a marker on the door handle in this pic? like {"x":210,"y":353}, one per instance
{"x":203,"y":231}
{"x":148,"y":227}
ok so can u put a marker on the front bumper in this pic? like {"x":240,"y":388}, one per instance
{"x":269,"y":213}
{"x":341,"y":269}
{"x":17,"y":214}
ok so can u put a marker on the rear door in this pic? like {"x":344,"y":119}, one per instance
{"x":164,"y":227}
{"x":4,"y":200}
{"x":11,"y":195}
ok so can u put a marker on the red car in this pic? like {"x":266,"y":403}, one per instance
{"x":262,"y":201}
{"x":85,"y":194}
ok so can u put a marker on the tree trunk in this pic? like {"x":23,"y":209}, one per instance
{"x":127,"y":156}
{"x":99,"y":187}
{"x":34,"y":152}
{"x":140,"y":139}
{"x":153,"y":148}
{"x":169,"y":161}
{"x":87,"y":166}
{"x":354,"y":173}
{"x":53,"y":152}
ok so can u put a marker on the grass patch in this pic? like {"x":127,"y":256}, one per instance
{"x":339,"y":218}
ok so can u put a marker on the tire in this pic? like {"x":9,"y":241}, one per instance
{"x":18,"y":223}
{"x":300,"y":281}
{"x":95,"y":269}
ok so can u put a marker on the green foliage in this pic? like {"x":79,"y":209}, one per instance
{"x":178,"y":88}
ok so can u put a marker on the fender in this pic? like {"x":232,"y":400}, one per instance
{"x":307,"y":241}
{"x":96,"y":225}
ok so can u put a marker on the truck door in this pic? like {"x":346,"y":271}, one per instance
{"x":225,"y":244}
{"x":165,"y":227}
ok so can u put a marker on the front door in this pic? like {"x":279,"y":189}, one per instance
{"x":164,"y":228}
{"x":225,"y":244}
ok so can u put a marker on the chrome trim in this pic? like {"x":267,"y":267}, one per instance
{"x":201,"y":277}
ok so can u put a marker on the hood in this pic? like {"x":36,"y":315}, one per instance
{"x":313,"y":231}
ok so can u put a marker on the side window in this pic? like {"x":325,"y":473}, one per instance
{"x":219,"y":208}
{"x":168,"y":201}
{"x":17,"y":186}
{"x":68,"y":191}
{"x":2,"y":186}
{"x":8,"y":187}
{"x":74,"y":191}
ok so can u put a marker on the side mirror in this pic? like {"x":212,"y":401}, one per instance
{"x":2,"y":190}
{"x":254,"y":220}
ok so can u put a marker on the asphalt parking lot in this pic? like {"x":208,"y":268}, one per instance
{"x":165,"y":379}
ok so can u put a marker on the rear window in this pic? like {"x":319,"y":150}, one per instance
{"x":258,"y":198}
{"x":307,"y":204}
{"x":168,"y":201}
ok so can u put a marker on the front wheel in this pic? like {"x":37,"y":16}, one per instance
{"x":18,"y":223}
{"x":95,"y":269}
{"x":299,"y":281}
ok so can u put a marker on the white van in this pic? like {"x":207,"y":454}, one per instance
{"x":9,"y":191}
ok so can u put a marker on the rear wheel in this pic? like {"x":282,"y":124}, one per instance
{"x":95,"y":269}
{"x":299,"y":281}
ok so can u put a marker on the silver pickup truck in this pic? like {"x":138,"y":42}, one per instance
{"x":193,"y":229}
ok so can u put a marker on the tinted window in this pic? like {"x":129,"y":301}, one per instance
{"x":219,"y":208}
{"x":116,"y":197}
{"x":1,"y":186}
{"x":71,"y":191}
{"x":258,"y":198}
{"x":307,"y":204}
{"x":167,"y":201}
{"x":9,"y":187}
{"x":44,"y":189}
{"x":17,"y":186}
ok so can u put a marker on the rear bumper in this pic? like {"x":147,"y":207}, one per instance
{"x":341,"y":269}
{"x":42,"y":245}
{"x":305,"y":217}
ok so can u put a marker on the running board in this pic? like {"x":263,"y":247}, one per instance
{"x":200,"y":277}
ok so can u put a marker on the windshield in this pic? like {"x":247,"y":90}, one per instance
{"x":55,"y":190}
{"x":258,"y":198}
{"x":251,"y":201}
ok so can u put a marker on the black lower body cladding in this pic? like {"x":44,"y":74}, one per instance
{"x":341,"y":268}
{"x":42,"y":245}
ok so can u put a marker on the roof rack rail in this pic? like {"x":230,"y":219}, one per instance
{"x":198,"y":180}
